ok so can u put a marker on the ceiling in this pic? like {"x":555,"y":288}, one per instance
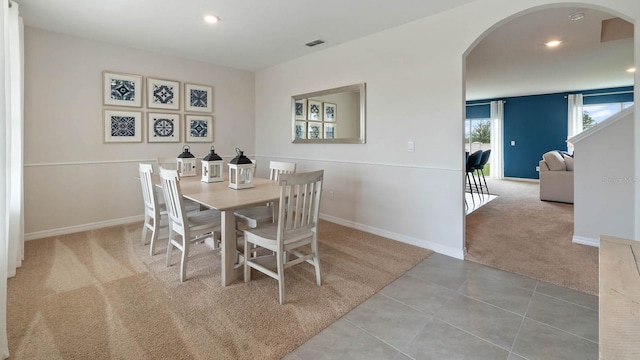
{"x":253,"y":34}
{"x":512,"y":60}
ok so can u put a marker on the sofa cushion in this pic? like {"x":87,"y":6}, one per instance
{"x":568,"y":161}
{"x":554,"y":160}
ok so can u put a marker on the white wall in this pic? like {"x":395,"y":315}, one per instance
{"x":72,"y":179}
{"x":415,"y":91}
{"x":604,"y":181}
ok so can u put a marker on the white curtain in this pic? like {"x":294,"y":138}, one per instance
{"x":497,"y":139}
{"x":574,"y":117}
{"x":11,"y":156}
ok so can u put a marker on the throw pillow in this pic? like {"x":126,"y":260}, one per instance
{"x":554,"y":160}
{"x":568,"y":160}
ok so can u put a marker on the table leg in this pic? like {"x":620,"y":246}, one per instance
{"x":228,"y":251}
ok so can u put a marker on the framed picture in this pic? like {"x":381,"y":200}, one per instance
{"x":315,"y":109}
{"x":300,"y":130}
{"x":163,"y":127}
{"x":314,"y":131}
{"x":329,"y":111}
{"x":163,"y":94}
{"x":301,"y":109}
{"x":122,"y":126}
{"x":198,"y":98}
{"x":199,"y":128}
{"x":329,"y":131}
{"x":121,"y":89}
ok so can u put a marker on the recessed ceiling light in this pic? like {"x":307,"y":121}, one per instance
{"x":211,"y":19}
{"x":631,"y":70}
{"x":578,"y":15}
{"x":553,"y":43}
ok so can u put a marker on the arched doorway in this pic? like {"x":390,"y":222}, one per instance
{"x":519,"y":35}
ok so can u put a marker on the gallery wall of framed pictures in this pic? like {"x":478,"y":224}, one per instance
{"x":315,"y":119}
{"x":176,"y":111}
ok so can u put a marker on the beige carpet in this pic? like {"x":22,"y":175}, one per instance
{"x":99,"y":295}
{"x":519,"y":233}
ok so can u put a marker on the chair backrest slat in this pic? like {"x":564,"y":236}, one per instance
{"x":148,"y":192}
{"x":277,"y":167}
{"x":299,"y":202}
{"x":173,"y":199}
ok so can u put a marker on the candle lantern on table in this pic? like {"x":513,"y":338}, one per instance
{"x":241,"y":171}
{"x":186,"y":163}
{"x":212,"y":167}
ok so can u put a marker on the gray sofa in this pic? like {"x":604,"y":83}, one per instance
{"x":556,"y":177}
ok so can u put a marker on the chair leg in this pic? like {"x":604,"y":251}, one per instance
{"x":247,"y":269}
{"x":469,"y":181}
{"x":169,"y":248}
{"x":143,"y":239}
{"x":474,"y":182}
{"x":280,"y":264}
{"x":154,"y":237}
{"x":316,"y":261}
{"x":477,"y":172}
{"x":183,"y":260}
{"x":485,"y":181}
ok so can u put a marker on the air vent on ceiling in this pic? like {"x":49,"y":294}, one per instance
{"x":615,"y":29}
{"x":314,"y":43}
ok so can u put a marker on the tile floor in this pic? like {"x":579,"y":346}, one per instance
{"x":446,"y":308}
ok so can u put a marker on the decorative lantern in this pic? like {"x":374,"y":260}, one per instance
{"x":240,"y":172}
{"x":212,"y":167}
{"x":186,"y":163}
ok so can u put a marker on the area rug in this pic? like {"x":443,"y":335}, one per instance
{"x":99,"y":295}
{"x":519,"y":233}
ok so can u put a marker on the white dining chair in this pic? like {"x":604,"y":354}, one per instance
{"x":153,"y":211}
{"x":296,"y":228}
{"x":185,"y":230}
{"x":257,"y":215}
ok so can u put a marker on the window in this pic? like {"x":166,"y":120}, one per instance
{"x":596,"y":113}
{"x":477,"y":136}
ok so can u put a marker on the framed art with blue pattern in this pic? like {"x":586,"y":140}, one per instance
{"x":314,"y":130}
{"x":301,"y":109}
{"x":163,"y":94}
{"x":329,"y":111}
{"x":122,"y":89}
{"x":198,"y":98}
{"x":122,"y":126}
{"x":315,"y":110}
{"x":198,"y":128}
{"x":300,"y":130}
{"x":329,"y":130}
{"x":163,"y":127}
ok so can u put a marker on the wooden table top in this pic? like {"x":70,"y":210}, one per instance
{"x":221,"y":197}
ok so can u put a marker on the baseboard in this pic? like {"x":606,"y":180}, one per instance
{"x":440,"y":249}
{"x":586,"y":241}
{"x":83,"y":227}
{"x":521,"y":179}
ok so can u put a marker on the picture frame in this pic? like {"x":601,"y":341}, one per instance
{"x":163,"y":127}
{"x":122,"y":126}
{"x":300,"y":130}
{"x":301,"y":109}
{"x":198,"y":128}
{"x":120,"y":89}
{"x":198,"y":98}
{"x":314,"y":110}
{"x":163,"y":94}
{"x":314,"y":130}
{"x":329,"y":130}
{"x":329,"y":111}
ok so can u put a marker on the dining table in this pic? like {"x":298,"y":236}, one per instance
{"x":219,"y":196}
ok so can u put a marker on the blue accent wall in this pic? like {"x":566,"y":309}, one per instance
{"x":538,"y":123}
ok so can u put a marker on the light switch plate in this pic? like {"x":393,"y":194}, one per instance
{"x":513,"y":143}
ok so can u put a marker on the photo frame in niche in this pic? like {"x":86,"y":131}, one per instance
{"x":122,"y":126}
{"x":198,"y":98}
{"x":121,"y":89}
{"x":329,"y":130}
{"x":198,"y":128}
{"x":301,"y":129}
{"x":301,"y":109}
{"x":314,"y":111}
{"x":329,"y":111}
{"x":163,"y":127}
{"x":163,"y":94}
{"x":314,"y":130}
